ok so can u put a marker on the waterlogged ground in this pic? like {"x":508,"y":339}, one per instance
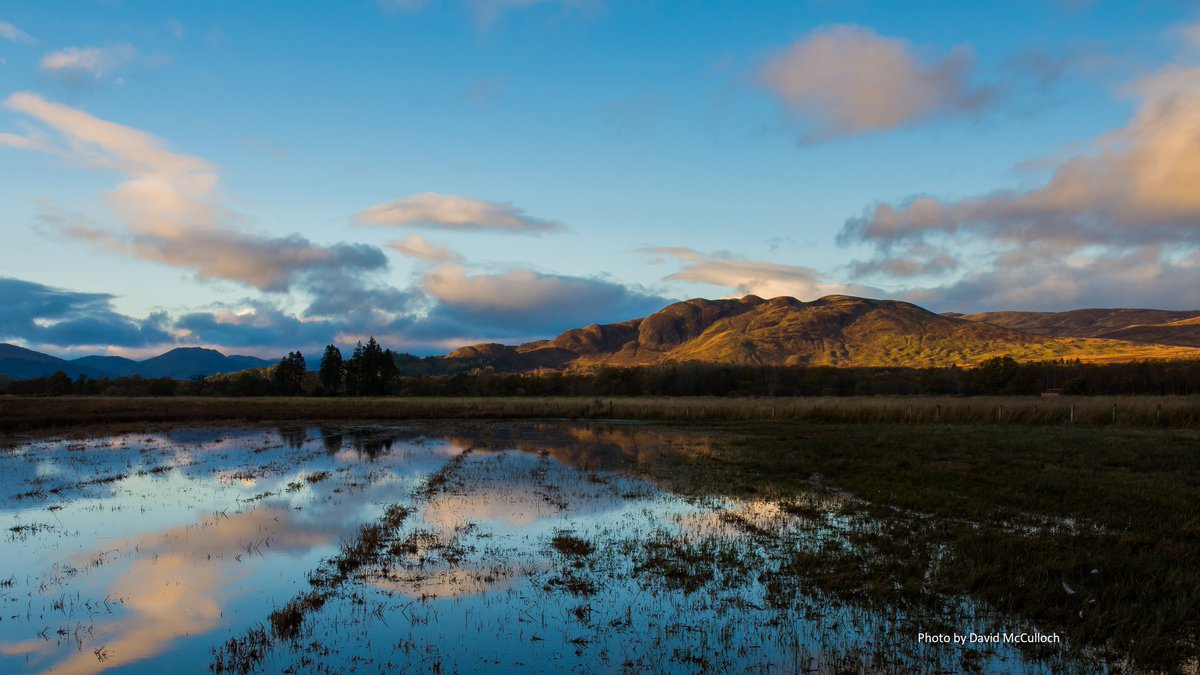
{"x":437,"y":547}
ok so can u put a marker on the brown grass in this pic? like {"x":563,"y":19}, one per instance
{"x":31,"y":414}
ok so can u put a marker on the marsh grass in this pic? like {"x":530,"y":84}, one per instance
{"x":568,"y":544}
{"x":1011,"y":520}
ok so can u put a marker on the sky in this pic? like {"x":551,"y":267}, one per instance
{"x":272,"y":176}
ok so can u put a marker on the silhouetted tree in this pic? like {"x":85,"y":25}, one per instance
{"x":289,"y":374}
{"x":371,"y":371}
{"x":354,"y":371}
{"x":59,"y":384}
{"x":333,"y":370}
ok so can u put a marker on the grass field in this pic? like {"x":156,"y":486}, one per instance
{"x":37,"y":413}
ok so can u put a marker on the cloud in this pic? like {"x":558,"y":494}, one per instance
{"x":13,"y":34}
{"x":258,"y":325}
{"x":753,"y":277}
{"x":450,"y":308}
{"x":526,"y":303}
{"x":170,"y":206}
{"x":87,"y":65}
{"x":43,"y":315}
{"x":459,"y":214}
{"x":1143,"y":277}
{"x":416,"y":246}
{"x":918,"y":260}
{"x":1136,"y":187}
{"x":1130,"y":199}
{"x":848,"y":80}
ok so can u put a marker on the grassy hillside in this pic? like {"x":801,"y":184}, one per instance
{"x":836,"y":330}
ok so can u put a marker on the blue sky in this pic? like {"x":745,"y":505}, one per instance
{"x":260,"y":177}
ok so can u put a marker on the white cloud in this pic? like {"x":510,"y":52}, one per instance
{"x":450,"y":212}
{"x":13,"y":34}
{"x":848,"y":80}
{"x":76,"y":65}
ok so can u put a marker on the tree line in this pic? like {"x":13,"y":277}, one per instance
{"x":374,"y":371}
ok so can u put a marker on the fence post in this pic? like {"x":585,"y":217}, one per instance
{"x":1072,"y":413}
{"x":1114,"y":413}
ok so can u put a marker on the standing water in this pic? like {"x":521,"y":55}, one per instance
{"x":425,"y":547}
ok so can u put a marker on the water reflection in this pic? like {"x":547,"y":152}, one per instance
{"x":528,"y":546}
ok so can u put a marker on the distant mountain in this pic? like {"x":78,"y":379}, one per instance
{"x":23,"y":364}
{"x":182,"y":363}
{"x":1184,"y":333}
{"x":1143,"y":326}
{"x":836,"y":330}
{"x":116,"y":366}
{"x":1080,"y":322}
{"x":187,"y":362}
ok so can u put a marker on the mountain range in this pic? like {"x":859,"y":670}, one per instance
{"x":836,"y":330}
{"x":181,"y":364}
{"x":840,"y":330}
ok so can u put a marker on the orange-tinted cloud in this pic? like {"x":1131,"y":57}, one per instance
{"x":454,"y":213}
{"x":849,"y":80}
{"x":171,"y":208}
{"x":757,"y":277}
{"x":1119,"y":223}
{"x":417,"y":247}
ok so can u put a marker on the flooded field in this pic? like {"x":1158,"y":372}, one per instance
{"x":451,"y":547}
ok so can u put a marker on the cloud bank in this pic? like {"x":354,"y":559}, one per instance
{"x":43,"y":315}
{"x":1118,"y":224}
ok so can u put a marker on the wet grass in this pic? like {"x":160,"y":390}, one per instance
{"x":568,"y":544}
{"x":1091,"y":533}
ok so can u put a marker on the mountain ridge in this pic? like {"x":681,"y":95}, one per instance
{"x":180,"y":363}
{"x":835,"y":330}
